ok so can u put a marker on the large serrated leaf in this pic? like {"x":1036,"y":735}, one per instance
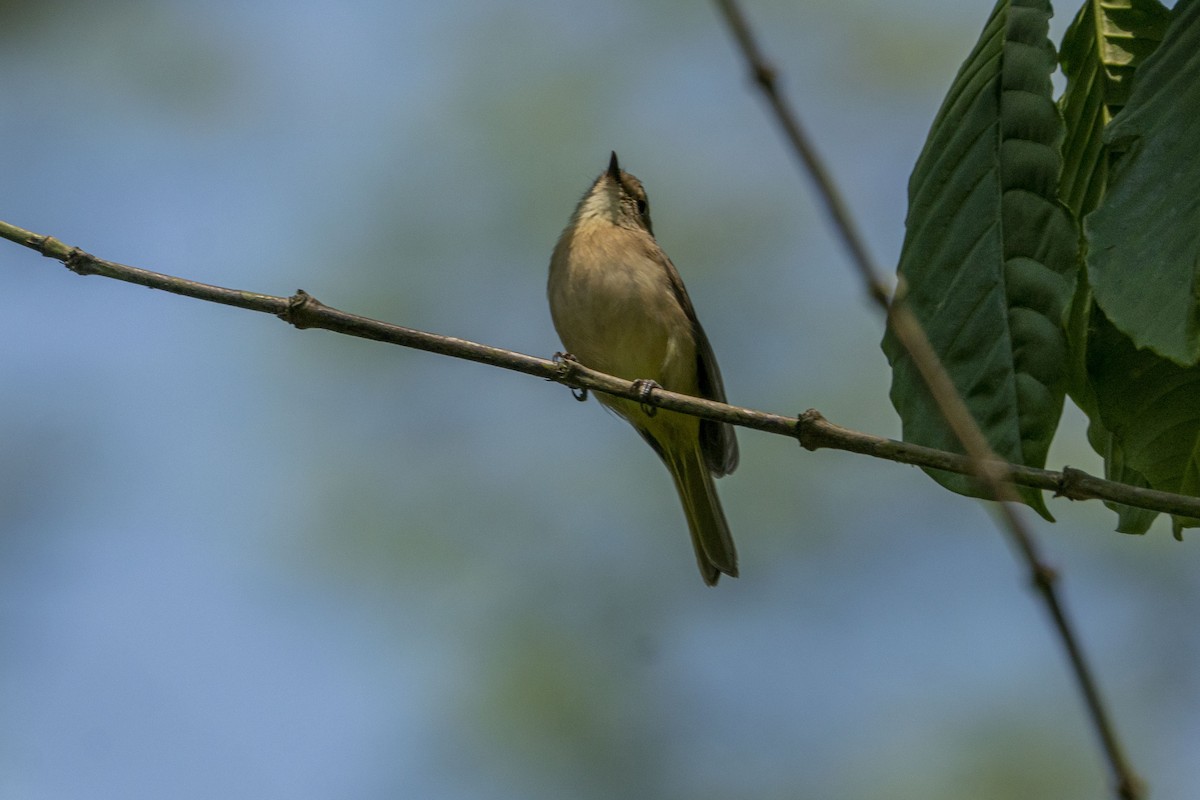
{"x":1143,"y":247}
{"x":989,"y":254}
{"x":1101,"y":51}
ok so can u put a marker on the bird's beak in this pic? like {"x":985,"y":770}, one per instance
{"x":614,"y":169}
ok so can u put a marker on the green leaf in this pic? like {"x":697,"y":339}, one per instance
{"x":1143,"y":248}
{"x":1101,"y":51}
{"x":1129,"y":518}
{"x":1152,"y":407}
{"x":989,"y":254}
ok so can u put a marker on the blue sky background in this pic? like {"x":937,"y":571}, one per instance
{"x":239,"y":560}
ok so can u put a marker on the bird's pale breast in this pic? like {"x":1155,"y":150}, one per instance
{"x":616,"y":312}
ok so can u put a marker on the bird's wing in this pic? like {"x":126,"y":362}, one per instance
{"x":717,"y":439}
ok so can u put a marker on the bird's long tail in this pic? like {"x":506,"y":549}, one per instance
{"x":715,"y":552}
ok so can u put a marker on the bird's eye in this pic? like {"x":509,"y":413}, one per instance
{"x":641,"y":207}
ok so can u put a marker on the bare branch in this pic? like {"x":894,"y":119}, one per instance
{"x":811,"y":429}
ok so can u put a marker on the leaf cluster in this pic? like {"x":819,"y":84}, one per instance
{"x":1052,"y":245}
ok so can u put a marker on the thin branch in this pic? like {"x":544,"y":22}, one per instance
{"x":912,"y":338}
{"x":811,"y":429}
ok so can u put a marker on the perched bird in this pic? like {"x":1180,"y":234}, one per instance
{"x":620,"y":307}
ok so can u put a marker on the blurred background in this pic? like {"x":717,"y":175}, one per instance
{"x":240,"y":560}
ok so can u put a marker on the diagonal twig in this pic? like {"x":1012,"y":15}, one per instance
{"x":950,"y":404}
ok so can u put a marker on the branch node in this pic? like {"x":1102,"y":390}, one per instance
{"x":1130,"y":788}
{"x":764,"y":76}
{"x":301,"y":307}
{"x":806,"y":429}
{"x":1068,"y":483}
{"x":76,"y":260}
{"x":880,"y":294}
{"x":1044,"y":577}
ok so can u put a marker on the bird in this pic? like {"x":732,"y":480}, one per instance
{"x":620,"y":307}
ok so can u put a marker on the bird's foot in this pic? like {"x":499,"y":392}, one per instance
{"x":564,"y":362}
{"x":645,"y":387}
